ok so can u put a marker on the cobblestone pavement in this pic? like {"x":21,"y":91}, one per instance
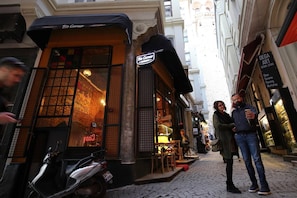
{"x":206,"y":178}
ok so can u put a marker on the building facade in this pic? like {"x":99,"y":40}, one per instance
{"x":91,"y":84}
{"x":256,"y":44}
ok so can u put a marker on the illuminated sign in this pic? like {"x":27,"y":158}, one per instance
{"x":145,"y":59}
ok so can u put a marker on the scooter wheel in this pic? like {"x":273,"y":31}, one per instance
{"x":101,"y":187}
{"x":96,"y":185}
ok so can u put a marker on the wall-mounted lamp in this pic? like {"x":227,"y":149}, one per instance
{"x":87,"y":72}
{"x":102,"y":101}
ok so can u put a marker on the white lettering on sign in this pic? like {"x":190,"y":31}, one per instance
{"x":72,"y":26}
{"x":145,"y":58}
{"x":265,"y":61}
{"x":264,"y":56}
{"x":269,"y":70}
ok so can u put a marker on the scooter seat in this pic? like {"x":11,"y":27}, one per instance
{"x":79,"y":164}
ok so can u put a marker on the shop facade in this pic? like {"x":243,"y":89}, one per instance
{"x":266,"y":80}
{"x":86,"y":90}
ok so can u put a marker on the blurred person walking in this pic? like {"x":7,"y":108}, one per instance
{"x":12,"y":71}
{"x":185,"y":143}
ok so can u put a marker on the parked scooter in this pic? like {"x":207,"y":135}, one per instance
{"x":88,"y":177}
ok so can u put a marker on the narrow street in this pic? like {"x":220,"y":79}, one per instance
{"x":206,"y":178}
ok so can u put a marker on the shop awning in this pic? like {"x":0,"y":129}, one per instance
{"x":288,"y":32}
{"x":247,"y":62}
{"x":167,"y":54}
{"x":41,"y":28}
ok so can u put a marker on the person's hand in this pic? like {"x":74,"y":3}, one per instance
{"x":234,"y":129}
{"x":249,"y":114}
{"x":7,"y":117}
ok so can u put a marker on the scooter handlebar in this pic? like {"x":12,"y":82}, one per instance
{"x":99,"y":154}
{"x":58,"y":145}
{"x":52,"y":153}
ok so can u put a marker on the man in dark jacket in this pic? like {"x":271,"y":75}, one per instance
{"x":246,"y":137}
{"x":12,"y":71}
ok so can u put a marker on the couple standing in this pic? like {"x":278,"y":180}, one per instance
{"x":240,"y":127}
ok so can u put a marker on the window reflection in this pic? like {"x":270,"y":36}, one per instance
{"x":88,"y":110}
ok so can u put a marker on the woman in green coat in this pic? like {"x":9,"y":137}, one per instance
{"x":223,"y":125}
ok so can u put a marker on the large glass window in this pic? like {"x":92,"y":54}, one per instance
{"x":75,"y":93}
{"x":164,"y":111}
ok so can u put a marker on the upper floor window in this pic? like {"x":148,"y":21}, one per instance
{"x":188,"y":58}
{"x":186,"y":38}
{"x":74,"y":1}
{"x":81,"y":1}
{"x":168,"y":8}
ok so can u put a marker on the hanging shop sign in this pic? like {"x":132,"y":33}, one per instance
{"x":145,"y":59}
{"x":269,"y":71}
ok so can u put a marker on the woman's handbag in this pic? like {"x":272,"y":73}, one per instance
{"x":216,"y":145}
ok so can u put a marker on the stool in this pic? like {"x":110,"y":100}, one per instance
{"x":170,"y":160}
{"x":155,"y":158}
{"x":178,"y":150}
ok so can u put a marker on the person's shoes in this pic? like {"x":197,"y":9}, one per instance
{"x":264,"y":192}
{"x":231,"y":188}
{"x":253,"y":188}
{"x":234,"y":190}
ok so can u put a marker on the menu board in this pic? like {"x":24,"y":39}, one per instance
{"x":269,"y":71}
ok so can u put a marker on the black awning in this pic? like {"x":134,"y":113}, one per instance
{"x":247,"y":62}
{"x":41,"y":28}
{"x":167,"y":54}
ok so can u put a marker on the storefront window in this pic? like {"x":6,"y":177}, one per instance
{"x":164,"y":113}
{"x":88,"y":109}
{"x":257,"y":98}
{"x":265,"y":127}
{"x":75,"y":93}
{"x":286,"y":126}
{"x":164,"y":119}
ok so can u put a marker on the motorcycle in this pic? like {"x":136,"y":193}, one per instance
{"x":88,"y":177}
